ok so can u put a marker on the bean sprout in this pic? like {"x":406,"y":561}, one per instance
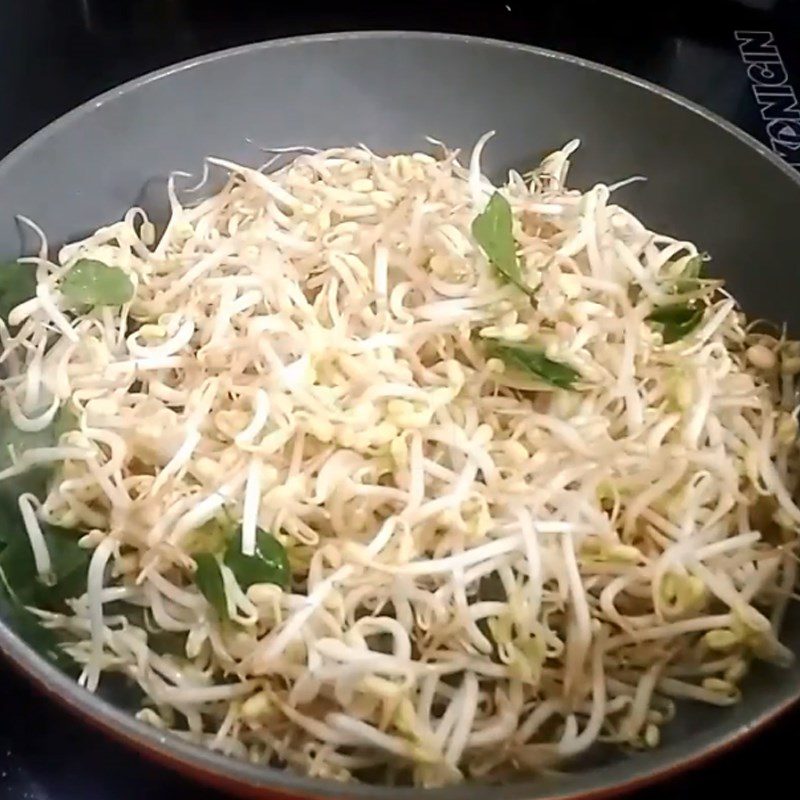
{"x":486,"y":571}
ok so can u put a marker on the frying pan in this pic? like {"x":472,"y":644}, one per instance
{"x":707,"y":181}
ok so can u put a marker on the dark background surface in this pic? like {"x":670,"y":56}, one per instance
{"x":55,"y":54}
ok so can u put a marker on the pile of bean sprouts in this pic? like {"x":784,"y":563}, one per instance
{"x":489,"y":574}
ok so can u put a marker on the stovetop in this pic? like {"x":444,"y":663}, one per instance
{"x":740,"y":59}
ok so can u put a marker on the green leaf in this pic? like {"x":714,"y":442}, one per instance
{"x":209,"y":581}
{"x":96,"y":284}
{"x":678,"y":320}
{"x":70,"y":564}
{"x":692,"y":273}
{"x":674,"y":314}
{"x":20,"y":585}
{"x":17,"y":284}
{"x":13,"y":439}
{"x":28,"y":627}
{"x":694,"y":267}
{"x":492,"y":229}
{"x":531,"y":359}
{"x":269,"y":564}
{"x":34,"y":482}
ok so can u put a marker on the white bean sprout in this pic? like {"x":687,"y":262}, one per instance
{"x":488,"y":572}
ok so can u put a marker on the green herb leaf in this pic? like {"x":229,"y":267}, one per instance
{"x":694,"y":266}
{"x":678,"y":320}
{"x":28,"y":627}
{"x":17,"y":284}
{"x":34,"y":481}
{"x":492,"y":229}
{"x":674,"y":314}
{"x":530,"y":359}
{"x":692,"y":273}
{"x":96,"y":284}
{"x":209,"y":581}
{"x":20,"y":585}
{"x":70,"y":564}
{"x":12,"y":439}
{"x":269,"y":564}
